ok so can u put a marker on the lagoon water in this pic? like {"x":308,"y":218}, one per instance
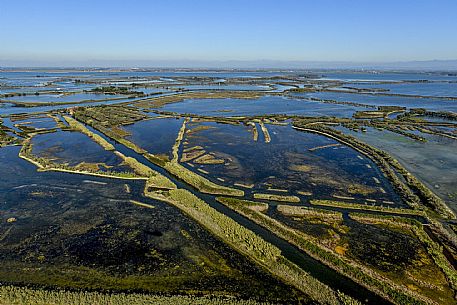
{"x":434,"y":104}
{"x":443,"y":89}
{"x":156,"y":136}
{"x":87,"y":225}
{"x":287,"y":162}
{"x":59,"y":98}
{"x":386,"y":76}
{"x":73,"y":148}
{"x":260,"y":106}
{"x":433,"y":162}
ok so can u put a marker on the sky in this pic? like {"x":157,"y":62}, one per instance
{"x":167,"y":31}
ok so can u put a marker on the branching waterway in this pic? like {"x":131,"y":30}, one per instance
{"x":315,"y":268}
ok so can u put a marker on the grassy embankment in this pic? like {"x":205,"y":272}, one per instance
{"x":83,"y":129}
{"x":249,"y":244}
{"x":44,"y":164}
{"x":106,"y":118}
{"x":301,"y":211}
{"x":161,"y":101}
{"x":5,"y":138}
{"x":140,"y":171}
{"x":309,"y":244}
{"x":433,"y":248}
{"x":414,"y":192}
{"x":11,"y":295}
{"x":266,"y":134}
{"x":358,"y":206}
{"x":275,"y":197}
{"x":255,"y":132}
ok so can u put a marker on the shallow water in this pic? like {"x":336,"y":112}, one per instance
{"x":72,"y":148}
{"x":287,"y":163}
{"x":157,"y":136}
{"x":9,"y":109}
{"x":226,"y":87}
{"x":58,"y":98}
{"x":38,"y":122}
{"x":385,"y":76}
{"x":76,"y":227}
{"x":423,"y":89}
{"x":261,"y":106}
{"x":378,"y":100}
{"x":433,"y":162}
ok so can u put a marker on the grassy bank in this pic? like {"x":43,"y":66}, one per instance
{"x":358,"y":206}
{"x":433,"y":248}
{"x":414,"y":192}
{"x":360,"y":274}
{"x":81,"y":128}
{"x":250,"y":244}
{"x":275,"y":197}
{"x":199,"y":182}
{"x":11,"y":295}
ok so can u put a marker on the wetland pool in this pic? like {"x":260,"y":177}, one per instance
{"x":434,"y":104}
{"x":226,"y":87}
{"x":433,"y":162}
{"x":76,"y":149}
{"x":69,"y":228}
{"x":294,"y":161}
{"x":260,"y":106}
{"x":37,"y":121}
{"x":157,"y":136}
{"x":59,"y":98}
{"x":423,"y":89}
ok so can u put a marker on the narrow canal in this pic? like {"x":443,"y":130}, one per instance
{"x":315,"y":268}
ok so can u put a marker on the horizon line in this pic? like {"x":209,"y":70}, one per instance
{"x":431,"y":64}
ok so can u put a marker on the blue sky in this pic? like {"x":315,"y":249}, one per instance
{"x":324,"y":30}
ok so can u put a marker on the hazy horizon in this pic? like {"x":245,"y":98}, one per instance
{"x":437,"y":65}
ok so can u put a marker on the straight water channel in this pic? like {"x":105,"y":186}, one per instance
{"x":315,"y":268}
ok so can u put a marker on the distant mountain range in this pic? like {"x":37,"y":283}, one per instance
{"x":442,"y":65}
